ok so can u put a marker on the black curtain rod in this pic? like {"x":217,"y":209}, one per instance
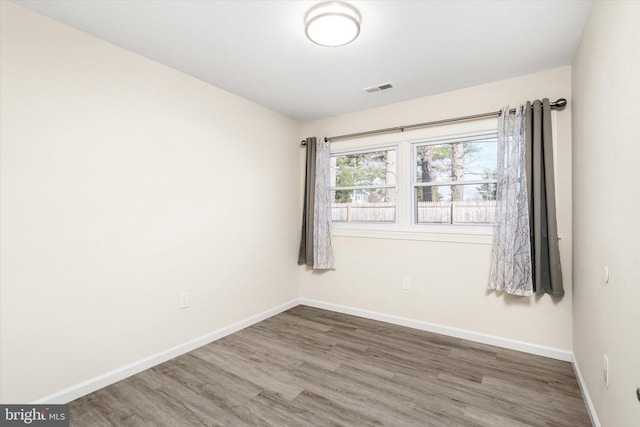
{"x":560,"y":103}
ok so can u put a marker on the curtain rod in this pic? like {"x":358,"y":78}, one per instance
{"x":560,"y":103}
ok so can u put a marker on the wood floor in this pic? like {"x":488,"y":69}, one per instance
{"x":311,"y":367}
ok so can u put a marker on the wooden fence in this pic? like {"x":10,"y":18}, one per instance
{"x":463,"y":212}
{"x":363,"y":212}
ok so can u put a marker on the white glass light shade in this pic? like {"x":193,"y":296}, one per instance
{"x":332,"y":24}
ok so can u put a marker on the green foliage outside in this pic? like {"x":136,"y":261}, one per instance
{"x":444,"y":162}
{"x":448,"y":162}
{"x":488,"y":191}
{"x":360,"y":169}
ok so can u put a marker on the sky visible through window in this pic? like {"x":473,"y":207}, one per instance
{"x":462,"y":161}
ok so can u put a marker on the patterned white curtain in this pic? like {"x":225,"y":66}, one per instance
{"x":322,"y":248}
{"x":511,"y":258}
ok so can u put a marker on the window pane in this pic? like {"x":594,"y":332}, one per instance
{"x":456,"y":204}
{"x":433,"y":163}
{"x":459,"y":161}
{"x":364,"y":205}
{"x":363,"y":169}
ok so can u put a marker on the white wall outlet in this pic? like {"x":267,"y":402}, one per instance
{"x":406,"y":283}
{"x":184,"y":300}
{"x":605,"y":370}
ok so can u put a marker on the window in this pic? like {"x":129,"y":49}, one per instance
{"x":364,"y":185}
{"x":435,"y":184}
{"x":454,"y":181}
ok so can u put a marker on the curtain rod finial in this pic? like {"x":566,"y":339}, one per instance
{"x":561,"y":102}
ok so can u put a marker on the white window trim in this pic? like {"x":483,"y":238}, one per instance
{"x":471,"y":233}
{"x":370,"y":149}
{"x":404,"y":228}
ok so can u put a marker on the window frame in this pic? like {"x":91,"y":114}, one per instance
{"x":394,"y":147}
{"x":414,"y":173}
{"x":404,"y":228}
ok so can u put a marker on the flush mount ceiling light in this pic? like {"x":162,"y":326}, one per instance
{"x":332,"y":24}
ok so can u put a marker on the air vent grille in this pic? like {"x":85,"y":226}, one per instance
{"x":378,"y":88}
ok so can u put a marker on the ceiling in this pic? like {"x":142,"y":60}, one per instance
{"x":258,"y":49}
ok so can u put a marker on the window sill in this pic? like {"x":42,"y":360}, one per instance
{"x":482,"y":235}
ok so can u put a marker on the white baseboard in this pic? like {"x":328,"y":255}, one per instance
{"x":79,"y":390}
{"x":539,"y":350}
{"x":591,"y":409}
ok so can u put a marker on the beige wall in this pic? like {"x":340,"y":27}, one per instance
{"x":606,"y":206}
{"x":449,"y":279}
{"x":123,"y":184}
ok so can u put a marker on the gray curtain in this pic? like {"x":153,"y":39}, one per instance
{"x":543,"y":228}
{"x":305,"y":255}
{"x":315,"y":242}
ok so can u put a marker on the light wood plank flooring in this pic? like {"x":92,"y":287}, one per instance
{"x":311,"y":367}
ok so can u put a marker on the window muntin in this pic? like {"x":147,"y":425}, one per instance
{"x":470,"y":163}
{"x":364,"y":186}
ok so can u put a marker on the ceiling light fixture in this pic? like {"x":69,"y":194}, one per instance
{"x":332,"y":24}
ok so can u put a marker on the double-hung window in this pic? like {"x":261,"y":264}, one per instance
{"x":454,"y":180}
{"x":427,"y":184}
{"x":364,"y":186}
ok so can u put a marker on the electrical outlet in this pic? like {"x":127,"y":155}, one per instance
{"x":184,"y":300}
{"x":406,"y":283}
{"x":605,"y":370}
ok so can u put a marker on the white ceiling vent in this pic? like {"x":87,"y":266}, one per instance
{"x":378,"y":88}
